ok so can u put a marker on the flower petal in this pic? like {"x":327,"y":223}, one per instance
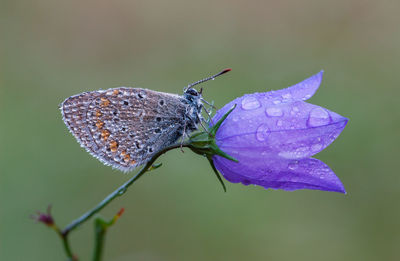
{"x":280,"y":174}
{"x":273,"y":134}
{"x":298,"y":92}
{"x":291,"y":130}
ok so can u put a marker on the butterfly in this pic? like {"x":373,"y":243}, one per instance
{"x":125,"y":127}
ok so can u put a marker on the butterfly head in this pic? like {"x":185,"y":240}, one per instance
{"x":192,"y":95}
{"x":193,"y":98}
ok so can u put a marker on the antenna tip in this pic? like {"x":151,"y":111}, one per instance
{"x":226,"y":70}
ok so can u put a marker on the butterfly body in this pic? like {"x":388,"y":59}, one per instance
{"x":124,"y":127}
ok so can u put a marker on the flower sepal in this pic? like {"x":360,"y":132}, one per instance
{"x":203,"y":143}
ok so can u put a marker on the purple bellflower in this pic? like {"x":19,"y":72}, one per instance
{"x":273,"y":135}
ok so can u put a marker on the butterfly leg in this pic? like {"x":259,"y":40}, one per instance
{"x":209,"y":113}
{"x":204,"y":127}
{"x":208,"y":103}
{"x":183,"y":137}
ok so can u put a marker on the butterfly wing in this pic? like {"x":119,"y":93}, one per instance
{"x":125,"y":127}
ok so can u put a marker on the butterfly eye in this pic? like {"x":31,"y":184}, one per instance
{"x":192,"y":92}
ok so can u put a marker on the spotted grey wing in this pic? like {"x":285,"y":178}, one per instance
{"x":125,"y":127}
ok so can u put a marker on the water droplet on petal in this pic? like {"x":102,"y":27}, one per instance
{"x":293,"y":165}
{"x":276,"y":102}
{"x":316,"y":147}
{"x":286,"y":96}
{"x":273,"y":112}
{"x":296,"y":153}
{"x":262,"y":132}
{"x":279,"y":123}
{"x":250,"y":103}
{"x":318,"y":117}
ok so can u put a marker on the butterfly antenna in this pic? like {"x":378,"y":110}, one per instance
{"x":209,"y":78}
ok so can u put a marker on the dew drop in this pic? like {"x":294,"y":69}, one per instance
{"x":294,"y":111}
{"x":279,"y":123}
{"x":286,"y":96}
{"x":296,"y":153}
{"x":293,"y":165}
{"x":273,"y":112}
{"x":262,"y":132}
{"x":276,"y":102}
{"x":316,"y":147}
{"x":235,"y":118}
{"x":250,"y":103}
{"x":122,"y":191}
{"x":318,"y":117}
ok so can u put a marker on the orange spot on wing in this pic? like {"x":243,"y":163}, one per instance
{"x":104,"y":102}
{"x":98,"y":113}
{"x":115,"y":92}
{"x":105,"y":134}
{"x":133,"y":162}
{"x":99,"y":124}
{"x":113,"y":146}
{"x":127,"y":158}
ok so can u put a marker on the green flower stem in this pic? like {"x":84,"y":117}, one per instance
{"x":118,"y":192}
{"x":100,"y":228}
{"x":202,"y":143}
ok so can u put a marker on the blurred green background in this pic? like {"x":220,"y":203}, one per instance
{"x":53,"y":49}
